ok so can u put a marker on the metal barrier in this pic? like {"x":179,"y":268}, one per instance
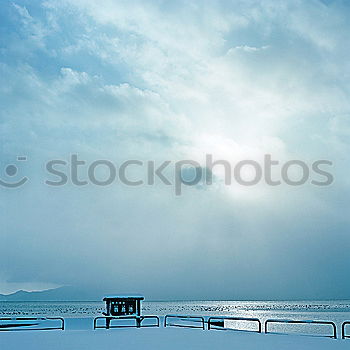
{"x":305,"y":322}
{"x":138,"y":322}
{"x":211,"y":322}
{"x":198,"y":319}
{"x":343,"y":330}
{"x":18,"y":326}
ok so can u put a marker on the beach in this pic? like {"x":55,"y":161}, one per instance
{"x":160,"y":338}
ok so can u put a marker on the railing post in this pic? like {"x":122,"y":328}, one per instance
{"x":265,"y":326}
{"x":343,"y":329}
{"x":335,"y":330}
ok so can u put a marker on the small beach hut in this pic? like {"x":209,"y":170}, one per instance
{"x":123,"y":306}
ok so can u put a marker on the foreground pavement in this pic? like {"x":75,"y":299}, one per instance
{"x":162,"y":338}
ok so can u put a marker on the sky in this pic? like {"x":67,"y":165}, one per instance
{"x":175,"y":80}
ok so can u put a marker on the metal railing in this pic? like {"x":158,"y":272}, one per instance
{"x":19,"y":324}
{"x":196,"y":319}
{"x":343,"y":330}
{"x":138,"y":322}
{"x":211,"y":322}
{"x":305,"y":322}
{"x":198,"y":322}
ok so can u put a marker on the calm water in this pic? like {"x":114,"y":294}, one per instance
{"x":337,"y":311}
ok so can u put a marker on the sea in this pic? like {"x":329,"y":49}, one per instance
{"x":335,"y":311}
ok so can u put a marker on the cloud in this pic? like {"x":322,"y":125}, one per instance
{"x":247,"y":48}
{"x":162,"y":80}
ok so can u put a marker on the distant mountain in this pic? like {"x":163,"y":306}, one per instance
{"x":58,"y":294}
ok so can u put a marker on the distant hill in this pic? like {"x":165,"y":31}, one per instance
{"x":57,"y":294}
